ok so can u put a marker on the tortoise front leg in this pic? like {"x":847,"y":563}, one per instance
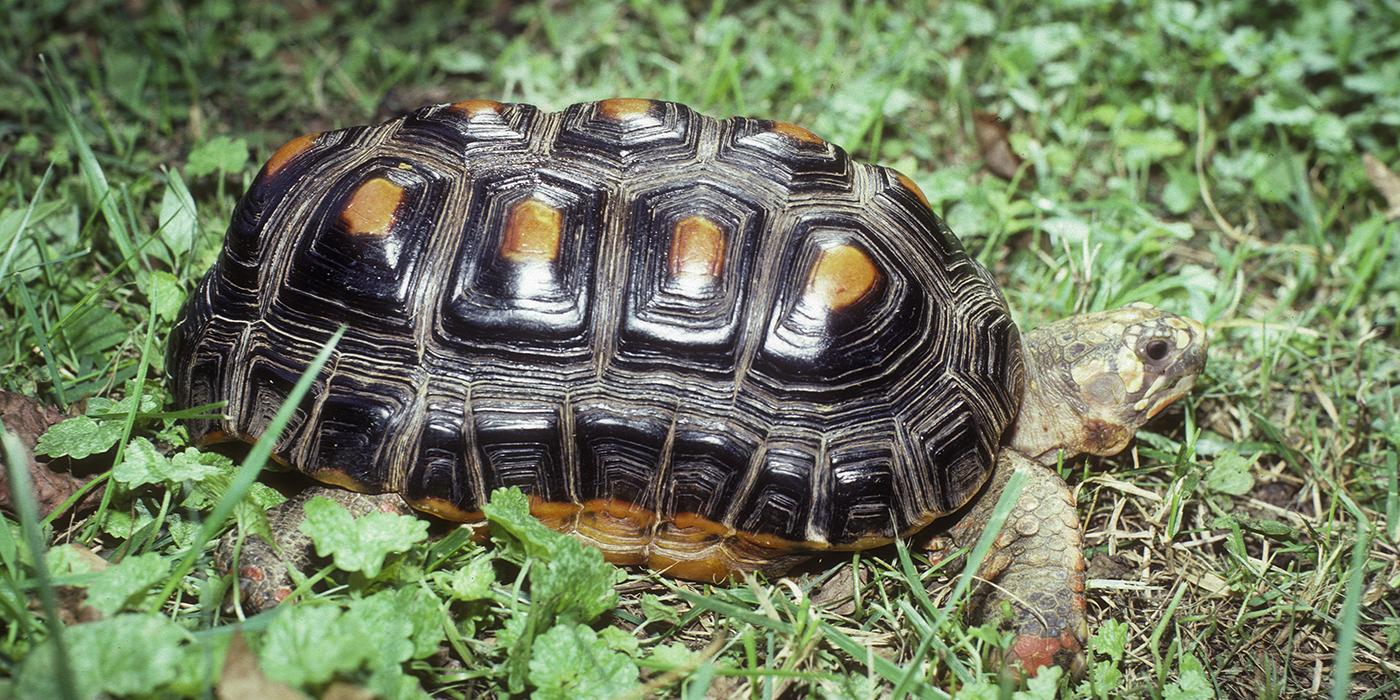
{"x":1036,"y":565}
{"x":263,"y":576}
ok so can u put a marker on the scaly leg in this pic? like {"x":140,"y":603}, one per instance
{"x":263,"y":579}
{"x":1036,"y":565}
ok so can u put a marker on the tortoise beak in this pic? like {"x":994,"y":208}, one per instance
{"x":1186,"y":369}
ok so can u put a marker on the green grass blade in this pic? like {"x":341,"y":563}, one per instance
{"x":96,"y":179}
{"x":129,"y":422}
{"x":731,"y":611}
{"x":23,"y":224}
{"x":248,"y":471}
{"x":45,"y":347}
{"x":882,"y":666}
{"x":22,"y":492}
{"x":1392,"y":497}
{"x":1347,"y":626}
{"x":1000,"y":512}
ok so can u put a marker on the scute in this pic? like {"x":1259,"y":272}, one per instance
{"x":502,"y":296}
{"x":671,"y":316}
{"x":699,"y":343}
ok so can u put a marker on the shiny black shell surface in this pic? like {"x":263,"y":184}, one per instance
{"x":625,"y":302}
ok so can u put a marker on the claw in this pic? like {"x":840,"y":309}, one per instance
{"x":1033,"y":652}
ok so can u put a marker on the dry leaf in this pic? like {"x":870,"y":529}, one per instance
{"x":243,"y":679}
{"x":27,"y":419}
{"x":992,"y":140}
{"x":1386,"y":181}
{"x":340,"y":690}
{"x":837,"y":595}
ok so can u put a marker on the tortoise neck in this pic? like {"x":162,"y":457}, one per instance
{"x":1055,"y":416}
{"x":1045,"y":426}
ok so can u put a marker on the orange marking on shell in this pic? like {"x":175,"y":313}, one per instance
{"x":472,"y":108}
{"x":697,"y":248}
{"x":446,"y":510}
{"x":619,"y":528}
{"x":338,"y":477}
{"x":215,"y":437}
{"x":841,"y":276}
{"x":619,"y":510}
{"x":713,"y":568}
{"x":541,"y":508}
{"x":695,"y":521}
{"x":532,"y":232}
{"x":372,"y":208}
{"x":913,"y":188}
{"x":797,"y":133}
{"x":623,"y":108}
{"x":288,"y":151}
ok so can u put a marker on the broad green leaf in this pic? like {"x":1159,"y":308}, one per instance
{"x":69,"y":559}
{"x":251,"y":512}
{"x":390,"y":682}
{"x":128,"y":654}
{"x":1273,"y":108}
{"x":1110,"y":639}
{"x":1191,"y":682}
{"x":621,"y":640}
{"x":1230,"y":473}
{"x":99,"y":406}
{"x":178,"y":222}
{"x":979,"y":690}
{"x":670,"y":656}
{"x":1143,"y":147}
{"x":471,"y":582}
{"x":1044,"y":685}
{"x":570,"y":661}
{"x":79,"y":437}
{"x":381,"y":628}
{"x":219,"y":154}
{"x":425,"y":613}
{"x":143,"y":464}
{"x":122,"y":524}
{"x":307,"y":645}
{"x":458,"y":60}
{"x":655,"y":609}
{"x":359,"y":544}
{"x":164,"y":293}
{"x":1103,"y":681}
{"x":509,"y":512}
{"x":1270,"y":527}
{"x":126,"y":582}
{"x":578,"y":585}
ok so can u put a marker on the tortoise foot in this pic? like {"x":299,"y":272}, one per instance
{"x":1031,"y":652}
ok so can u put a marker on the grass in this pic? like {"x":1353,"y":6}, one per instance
{"x":1207,"y":159}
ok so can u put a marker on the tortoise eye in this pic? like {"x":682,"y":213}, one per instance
{"x":1156,"y":350}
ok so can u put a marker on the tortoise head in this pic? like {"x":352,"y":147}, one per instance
{"x":1094,"y":379}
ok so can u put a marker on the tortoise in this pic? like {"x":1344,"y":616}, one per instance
{"x":708,"y":346}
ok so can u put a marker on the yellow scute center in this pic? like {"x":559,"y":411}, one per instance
{"x":288,"y":151}
{"x":797,"y":133}
{"x":472,"y":108}
{"x":371,"y":209}
{"x":913,"y":187}
{"x":697,"y":248}
{"x":619,"y":108}
{"x":532,"y":232}
{"x":841,"y":276}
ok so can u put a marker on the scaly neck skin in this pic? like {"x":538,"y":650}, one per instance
{"x":1046,"y":423}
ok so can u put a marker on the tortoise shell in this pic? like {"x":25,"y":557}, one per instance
{"x":701,"y":344}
